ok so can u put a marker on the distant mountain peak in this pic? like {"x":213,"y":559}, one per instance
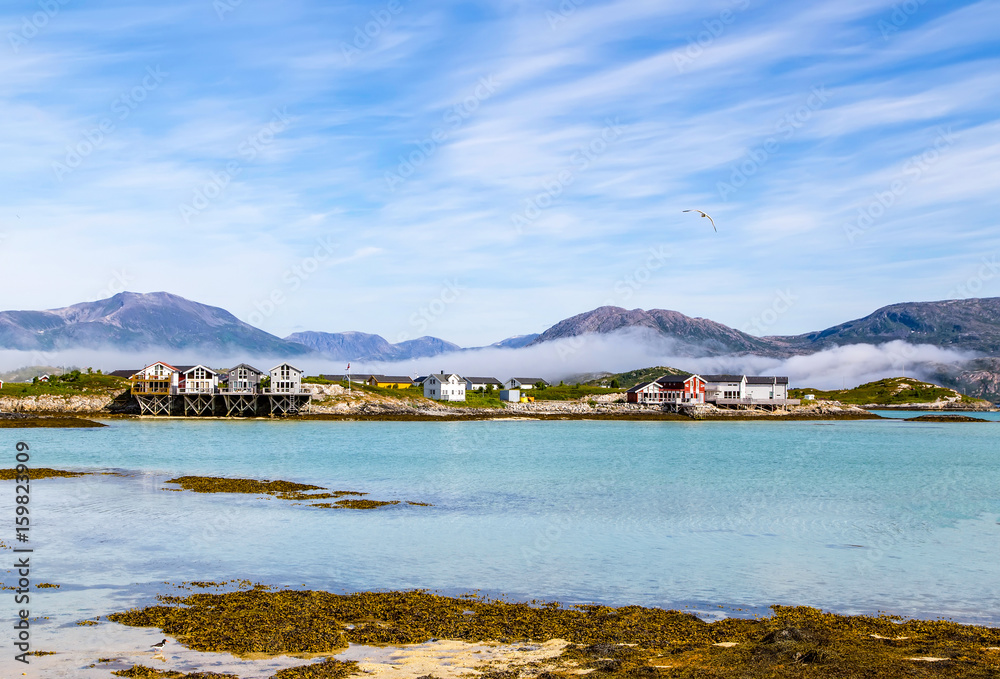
{"x":131,"y":321}
{"x":692,"y":336}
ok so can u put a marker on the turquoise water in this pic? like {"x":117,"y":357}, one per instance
{"x":847,"y":516}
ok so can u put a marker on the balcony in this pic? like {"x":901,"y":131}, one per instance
{"x":181,"y":391}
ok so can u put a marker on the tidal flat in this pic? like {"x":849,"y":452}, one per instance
{"x":629,"y":641}
{"x":18,"y":421}
{"x":283,"y":490}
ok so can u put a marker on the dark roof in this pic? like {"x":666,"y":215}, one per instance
{"x":420,"y":380}
{"x":123,"y":373}
{"x":675,"y":379}
{"x":529,"y":380}
{"x":757,"y":379}
{"x":442,"y":377}
{"x":392,"y":378}
{"x":355,"y":377}
{"x":722,"y":378}
{"x":247,"y":365}
{"x":638,"y":387}
{"x":483,"y":380}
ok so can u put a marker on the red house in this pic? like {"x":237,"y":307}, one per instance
{"x":669,"y":390}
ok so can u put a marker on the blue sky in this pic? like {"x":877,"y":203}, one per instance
{"x":477,"y":170}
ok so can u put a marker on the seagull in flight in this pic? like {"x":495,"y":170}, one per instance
{"x":705,"y":216}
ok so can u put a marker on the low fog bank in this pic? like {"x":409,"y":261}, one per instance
{"x":561,"y":359}
{"x":558,"y":360}
{"x":846,"y":366}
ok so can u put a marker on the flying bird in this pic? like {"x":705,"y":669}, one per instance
{"x":705,"y":216}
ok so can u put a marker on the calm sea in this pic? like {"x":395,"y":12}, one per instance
{"x":848,"y":516}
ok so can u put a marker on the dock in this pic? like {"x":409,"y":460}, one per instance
{"x":222,"y":404}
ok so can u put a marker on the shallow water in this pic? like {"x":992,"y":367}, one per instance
{"x":851,"y":517}
{"x":903,"y":414}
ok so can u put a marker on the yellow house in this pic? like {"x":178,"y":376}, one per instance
{"x":390,"y":382}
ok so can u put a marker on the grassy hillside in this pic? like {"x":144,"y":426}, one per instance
{"x":890,"y":391}
{"x":73,"y":383}
{"x":634,"y":377}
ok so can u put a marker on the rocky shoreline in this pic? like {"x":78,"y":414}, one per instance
{"x":333,"y":402}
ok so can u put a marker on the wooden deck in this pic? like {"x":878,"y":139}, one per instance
{"x":747,"y":403}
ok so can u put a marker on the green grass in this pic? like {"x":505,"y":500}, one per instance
{"x":70,"y":384}
{"x":320,"y":380}
{"x":568,"y":392}
{"x":381,"y":391}
{"x":476,"y":399}
{"x":629,"y":379}
{"x":890,"y":391}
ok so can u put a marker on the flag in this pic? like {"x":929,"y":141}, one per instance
{"x":348,"y":366}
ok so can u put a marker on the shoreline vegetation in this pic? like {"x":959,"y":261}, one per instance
{"x":627,"y":642}
{"x":899,"y":393}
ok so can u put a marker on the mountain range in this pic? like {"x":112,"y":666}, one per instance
{"x":965,"y":324}
{"x":133,"y":321}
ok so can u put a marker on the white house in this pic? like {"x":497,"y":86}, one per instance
{"x":746,"y":388}
{"x":481,"y":383}
{"x":285,"y":379}
{"x":766,"y":388}
{"x":523,"y":383}
{"x":197,"y":379}
{"x":724,"y":386}
{"x":444,"y":387}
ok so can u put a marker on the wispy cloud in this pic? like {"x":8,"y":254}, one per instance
{"x":687,"y":125}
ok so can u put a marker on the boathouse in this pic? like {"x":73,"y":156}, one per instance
{"x":164,"y":389}
{"x":243,"y":379}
